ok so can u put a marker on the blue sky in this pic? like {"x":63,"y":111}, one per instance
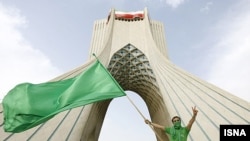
{"x":40,"y":40}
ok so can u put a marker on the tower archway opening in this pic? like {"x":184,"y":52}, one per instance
{"x":123,"y":122}
{"x":132,"y":70}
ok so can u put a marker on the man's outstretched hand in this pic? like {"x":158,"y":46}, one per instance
{"x":195,"y":111}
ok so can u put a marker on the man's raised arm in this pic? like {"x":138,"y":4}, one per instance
{"x":190,"y":123}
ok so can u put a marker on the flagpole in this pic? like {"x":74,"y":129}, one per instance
{"x":144,"y":117}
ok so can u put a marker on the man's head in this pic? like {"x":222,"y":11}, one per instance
{"x":175,"y":119}
{"x":177,"y":122}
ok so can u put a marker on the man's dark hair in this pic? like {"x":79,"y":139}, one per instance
{"x":175,"y":117}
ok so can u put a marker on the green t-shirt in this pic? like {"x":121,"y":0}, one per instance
{"x":177,"y":134}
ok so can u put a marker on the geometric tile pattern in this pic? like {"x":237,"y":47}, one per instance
{"x":131,"y":68}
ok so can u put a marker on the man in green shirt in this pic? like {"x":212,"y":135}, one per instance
{"x":177,"y":132}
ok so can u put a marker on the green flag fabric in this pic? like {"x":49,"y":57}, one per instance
{"x":28,"y":105}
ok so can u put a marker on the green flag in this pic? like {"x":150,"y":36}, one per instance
{"x":28,"y":105}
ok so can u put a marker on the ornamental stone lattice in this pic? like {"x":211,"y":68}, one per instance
{"x":133,"y":48}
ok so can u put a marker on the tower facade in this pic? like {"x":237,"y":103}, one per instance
{"x":133,"y":48}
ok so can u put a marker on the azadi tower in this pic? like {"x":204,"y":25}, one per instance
{"x":133,"y":48}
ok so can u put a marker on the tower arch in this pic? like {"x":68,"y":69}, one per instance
{"x":132,"y":70}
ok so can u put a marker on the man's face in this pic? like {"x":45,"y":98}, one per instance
{"x":177,"y":123}
{"x":175,"y":120}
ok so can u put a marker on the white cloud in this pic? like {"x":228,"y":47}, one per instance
{"x":171,"y":3}
{"x":230,"y":65}
{"x":207,"y":7}
{"x":19,"y":61}
{"x":174,"y":3}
